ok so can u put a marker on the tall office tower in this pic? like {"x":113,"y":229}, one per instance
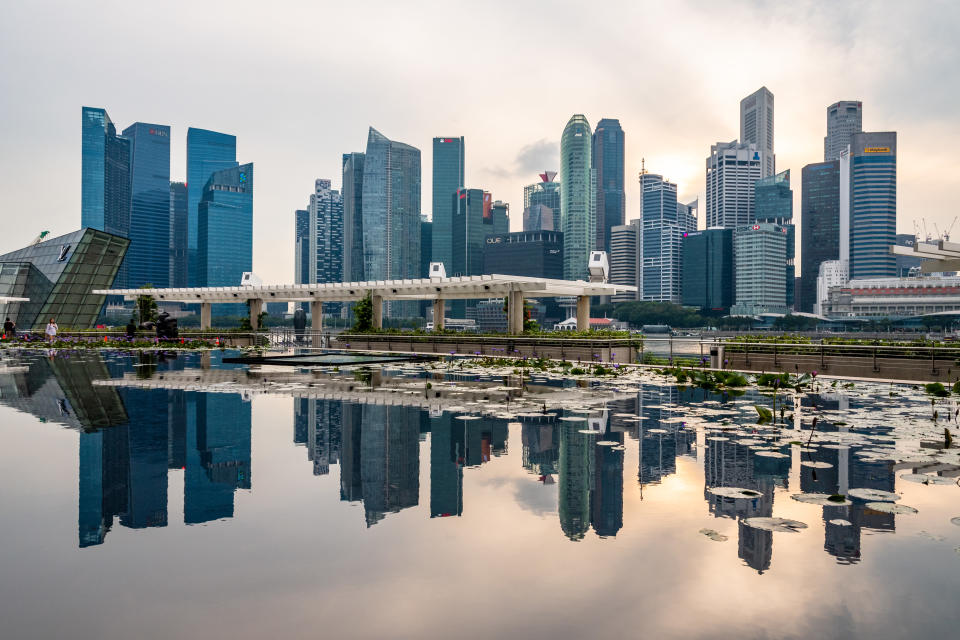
{"x":301,"y":243}
{"x":148,"y":258}
{"x":708,"y":278}
{"x":760,"y":251}
{"x":178,"y":234}
{"x":446,"y":468}
{"x":660,"y":241}
{"x":391,"y":214}
{"x":326,"y":237}
{"x":447,"y":179}
{"x":625,"y":257}
{"x":608,"y":162}
{"x":353,"y":217}
{"x":541,"y":204}
{"x":471,"y":211}
{"x":207,"y":152}
{"x":844,"y":119}
{"x":819,"y":225}
{"x":732,"y":170}
{"x":426,"y":240}
{"x":498,"y":220}
{"x":773,"y":203}
{"x":104,"y":178}
{"x":225,"y":228}
{"x":576,"y":470}
{"x":873,"y":204}
{"x":578,"y":214}
{"x":756,"y":127}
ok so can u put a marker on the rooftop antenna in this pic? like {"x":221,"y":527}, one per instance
{"x":643,"y":166}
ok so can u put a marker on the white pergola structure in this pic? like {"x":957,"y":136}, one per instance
{"x":940,"y":256}
{"x":513,"y":288}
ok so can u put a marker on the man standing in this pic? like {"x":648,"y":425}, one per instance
{"x":9,"y":329}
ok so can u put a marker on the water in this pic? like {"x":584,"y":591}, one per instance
{"x":146,"y":507}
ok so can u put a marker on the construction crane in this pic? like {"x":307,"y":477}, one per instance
{"x":946,"y":234}
{"x":39,"y":238}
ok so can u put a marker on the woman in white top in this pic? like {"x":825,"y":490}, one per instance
{"x":52,"y":329}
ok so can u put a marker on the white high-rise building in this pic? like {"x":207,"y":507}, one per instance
{"x":760,"y":251}
{"x":756,"y":127}
{"x":844,"y":119}
{"x":664,"y":221}
{"x":732,"y":172}
{"x":833,"y":273}
{"x":625,"y":258}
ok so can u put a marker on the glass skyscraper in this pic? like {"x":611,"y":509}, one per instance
{"x":391,"y":214}
{"x":844,"y":119}
{"x":148,"y":258}
{"x":578,"y":214}
{"x":608,"y":163}
{"x":301,"y":271}
{"x":541,"y":204}
{"x":225,"y":227}
{"x":448,"y":156}
{"x":105,"y":178}
{"x":819,"y":225}
{"x":756,"y":127}
{"x":773,"y":203}
{"x":708,"y":278}
{"x":353,"y":217}
{"x":661,"y":258}
{"x":178,"y":234}
{"x":207,"y":152}
{"x":873,"y":204}
{"x":732,"y":171}
{"x":326,"y":237}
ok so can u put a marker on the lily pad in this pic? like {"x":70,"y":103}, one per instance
{"x":816,"y":464}
{"x":890,"y":507}
{"x":782,"y":525}
{"x":923,"y":478}
{"x":823,"y":499}
{"x":840,"y":522}
{"x":873,"y":495}
{"x":734,"y":492}
{"x":955,"y":521}
{"x":716,"y":536}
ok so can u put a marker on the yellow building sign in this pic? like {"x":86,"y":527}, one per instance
{"x":876,"y":149}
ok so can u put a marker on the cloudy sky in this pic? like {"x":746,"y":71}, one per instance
{"x":298,"y":83}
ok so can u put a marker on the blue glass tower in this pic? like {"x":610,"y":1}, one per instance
{"x":608,"y":163}
{"x":225,"y":227}
{"x":207,"y":152}
{"x":448,"y":171}
{"x":178,"y":234}
{"x":148,"y":258}
{"x":873,"y":204}
{"x":353,"y":217}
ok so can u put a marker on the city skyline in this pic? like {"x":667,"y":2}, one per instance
{"x":508,"y":143}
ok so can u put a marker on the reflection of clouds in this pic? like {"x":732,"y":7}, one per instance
{"x":535,"y":497}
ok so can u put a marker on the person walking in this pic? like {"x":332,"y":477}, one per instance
{"x":52,"y":329}
{"x":9,"y":329}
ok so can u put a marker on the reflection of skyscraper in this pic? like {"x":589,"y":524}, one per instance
{"x":446,"y":468}
{"x":541,"y":446}
{"x":755,"y":547}
{"x":578,"y":213}
{"x":323,"y":423}
{"x":351,"y":488}
{"x":606,"y":513}
{"x":575,"y":469}
{"x":389,"y":460}
{"x":104,"y":465}
{"x":148,"y":457}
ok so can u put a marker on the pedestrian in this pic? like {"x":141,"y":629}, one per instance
{"x":52,"y":329}
{"x":9,"y":329}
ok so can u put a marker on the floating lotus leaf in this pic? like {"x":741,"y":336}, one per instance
{"x":890,"y":507}
{"x":765,"y":453}
{"x":955,"y":521}
{"x":816,"y":464}
{"x":840,"y":522}
{"x":923,"y":478}
{"x":466,"y":418}
{"x":734,"y":492}
{"x":873,"y":495}
{"x":607,"y":443}
{"x":590,"y":432}
{"x":716,"y":536}
{"x":823,"y":499}
{"x":782,"y":525}
{"x":657,"y":431}
{"x":572,"y":419}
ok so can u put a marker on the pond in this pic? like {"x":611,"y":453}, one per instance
{"x":175,"y":495}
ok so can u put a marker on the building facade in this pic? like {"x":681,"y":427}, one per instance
{"x":625,"y":258}
{"x":207,"y":153}
{"x":844,"y":119}
{"x":608,"y":164}
{"x":301,"y":243}
{"x":178,"y":234}
{"x":148,"y":258}
{"x":756,"y":127}
{"x":578,"y":216}
{"x":760,"y":251}
{"x":325,"y":212}
{"x":708,"y":270}
{"x":541,"y":204}
{"x":732,"y":171}
{"x":536,"y":254}
{"x":663,"y":226}
{"x":58,"y":276}
{"x":448,"y":178}
{"x":773,"y":203}
{"x":893,"y":297}
{"x":873,"y":204}
{"x":819,"y":225}
{"x":225,"y":227}
{"x":832,"y":273}
{"x":391,"y":214}
{"x":352,"y":193}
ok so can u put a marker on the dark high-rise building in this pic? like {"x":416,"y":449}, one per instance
{"x":773,"y":203}
{"x":147,"y":480}
{"x":819,"y":225}
{"x":426,"y":239}
{"x":575,"y":471}
{"x":448,"y":172}
{"x":326,"y":237}
{"x":472,"y":222}
{"x":207,"y":153}
{"x":446,"y":468}
{"x":498,"y":218}
{"x":541,"y":204}
{"x":606,"y":498}
{"x":148,"y":258}
{"x":302,"y":251}
{"x":353,"y":217}
{"x":608,"y":164}
{"x":389,"y":460}
{"x":225,"y":228}
{"x":104,"y":178}
{"x":844,"y":119}
{"x":536,"y":254}
{"x":708,"y":278}
{"x":178,"y":234}
{"x":873,"y":204}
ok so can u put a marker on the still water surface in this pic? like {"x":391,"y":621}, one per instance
{"x":165,"y":512}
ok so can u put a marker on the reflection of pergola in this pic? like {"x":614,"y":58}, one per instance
{"x":513,"y":288}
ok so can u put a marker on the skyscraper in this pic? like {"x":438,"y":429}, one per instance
{"x":353,"y":217}
{"x":326,"y":237}
{"x":660,"y":239}
{"x":448,"y":156}
{"x":625,"y":258}
{"x":773,"y":203}
{"x":756,"y":127}
{"x":844,"y":119}
{"x":760,"y":252}
{"x":873,"y":204}
{"x":471,"y":210}
{"x":104,"y":178}
{"x":578,"y":215}
{"x":819,"y":225}
{"x":391,"y":214}
{"x":608,"y":163}
{"x":178,"y":234}
{"x":207,"y":152}
{"x":708,"y":278}
{"x":732,"y":171}
{"x":541,"y":204}
{"x":225,"y":227}
{"x":148,"y":258}
{"x":301,"y":242}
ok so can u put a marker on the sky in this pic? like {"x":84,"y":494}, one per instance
{"x":299,"y":83}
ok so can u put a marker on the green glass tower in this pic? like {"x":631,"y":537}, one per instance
{"x":578,"y":215}
{"x":447,"y":179}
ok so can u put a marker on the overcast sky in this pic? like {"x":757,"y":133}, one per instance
{"x":298,"y":83}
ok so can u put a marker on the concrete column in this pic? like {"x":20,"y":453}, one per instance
{"x":515,"y":312}
{"x":438,"y":311}
{"x":256,"y":307}
{"x":377,"y":312}
{"x":316,"y":322}
{"x":206,"y":315}
{"x":583,"y":313}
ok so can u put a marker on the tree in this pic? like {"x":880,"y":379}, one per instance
{"x":641,"y":313}
{"x":363,"y":314}
{"x":146,"y":307}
